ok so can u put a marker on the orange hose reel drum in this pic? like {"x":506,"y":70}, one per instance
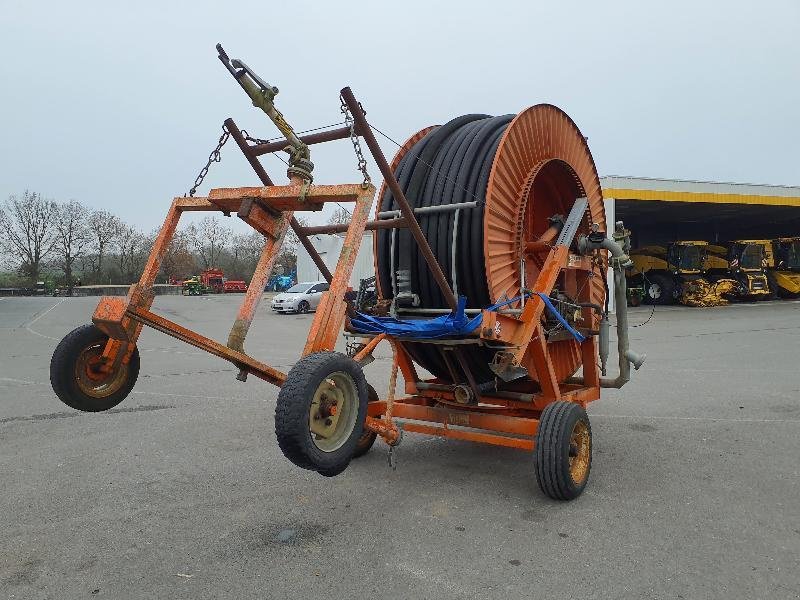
{"x":541,"y":165}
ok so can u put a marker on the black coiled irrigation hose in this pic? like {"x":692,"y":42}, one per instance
{"x":451,"y":164}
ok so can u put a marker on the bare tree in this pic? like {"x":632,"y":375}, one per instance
{"x":130,"y":246}
{"x":244,"y":252}
{"x":209,"y":238}
{"x":341,"y":216}
{"x":178,"y":260}
{"x":72,"y":237}
{"x":104,"y":228}
{"x":291,"y":241}
{"x":287,"y":257}
{"x":27,"y":230}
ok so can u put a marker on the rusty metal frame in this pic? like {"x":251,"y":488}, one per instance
{"x":431,"y":408}
{"x":269,"y":210}
{"x":427,"y":406}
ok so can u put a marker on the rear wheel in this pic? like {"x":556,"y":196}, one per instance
{"x":659,"y":289}
{"x":774,"y":288}
{"x":78,"y":378}
{"x":319,"y":417}
{"x":563,"y":450}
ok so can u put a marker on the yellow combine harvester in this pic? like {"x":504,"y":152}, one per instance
{"x":742,"y":261}
{"x":664,"y":271}
{"x":782,"y":264}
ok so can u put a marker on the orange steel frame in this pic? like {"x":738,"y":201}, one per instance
{"x":428,"y":407}
{"x":268,"y":210}
{"x":493,"y":419}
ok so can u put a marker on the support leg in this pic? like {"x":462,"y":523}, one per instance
{"x":330,"y":313}
{"x":258,"y":282}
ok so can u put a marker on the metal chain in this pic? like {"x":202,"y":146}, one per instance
{"x":255,"y":140}
{"x":215,"y":156}
{"x":350,"y":122}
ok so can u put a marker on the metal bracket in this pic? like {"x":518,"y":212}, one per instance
{"x":503,"y":366}
{"x":392,"y":453}
{"x":567,"y":235}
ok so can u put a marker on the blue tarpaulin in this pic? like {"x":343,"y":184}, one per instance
{"x":453,"y":325}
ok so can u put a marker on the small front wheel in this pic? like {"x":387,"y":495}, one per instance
{"x":319,"y":417}
{"x":563,"y":450}
{"x":303,"y":307}
{"x":78,"y":378}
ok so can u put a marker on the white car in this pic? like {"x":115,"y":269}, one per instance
{"x":300,"y":298}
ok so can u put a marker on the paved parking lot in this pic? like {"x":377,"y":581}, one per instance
{"x":182,"y":492}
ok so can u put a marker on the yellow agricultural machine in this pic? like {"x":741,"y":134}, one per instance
{"x":663,"y":271}
{"x":742,"y":261}
{"x":782,"y":264}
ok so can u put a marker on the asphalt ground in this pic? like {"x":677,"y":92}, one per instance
{"x":182,"y":492}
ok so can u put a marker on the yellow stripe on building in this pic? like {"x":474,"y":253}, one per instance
{"x":673,"y":196}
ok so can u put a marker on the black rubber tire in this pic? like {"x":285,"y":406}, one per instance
{"x":667,"y":286}
{"x":293,"y":407}
{"x":367,"y":439}
{"x":552,"y":450}
{"x":741,"y":294}
{"x":62,"y":371}
{"x":774,"y":288}
{"x":303,"y":307}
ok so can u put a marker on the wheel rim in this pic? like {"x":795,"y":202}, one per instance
{"x":333,"y":411}
{"x":654,"y":291}
{"x":91,"y":380}
{"x":580,"y":452}
{"x":303,"y":306}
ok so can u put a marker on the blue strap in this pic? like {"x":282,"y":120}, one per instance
{"x":454,"y":324}
{"x":560,"y":318}
{"x":548,"y":303}
{"x":494,"y":307}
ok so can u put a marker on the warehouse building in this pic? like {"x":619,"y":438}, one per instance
{"x":658,"y":211}
{"x":329,"y":247}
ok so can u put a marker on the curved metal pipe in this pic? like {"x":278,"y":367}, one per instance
{"x":619,"y":261}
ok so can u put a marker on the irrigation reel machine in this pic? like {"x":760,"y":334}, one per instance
{"x":491,"y":254}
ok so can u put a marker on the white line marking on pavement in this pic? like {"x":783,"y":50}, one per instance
{"x":436,"y":438}
{"x":193,"y":396}
{"x":719,"y":419}
{"x":28,"y":325}
{"x":23,"y":381}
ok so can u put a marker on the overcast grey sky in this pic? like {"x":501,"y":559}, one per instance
{"x":118,"y":104}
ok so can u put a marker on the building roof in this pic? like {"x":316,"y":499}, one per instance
{"x":679,"y":190}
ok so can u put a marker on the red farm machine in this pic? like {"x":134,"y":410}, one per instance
{"x":491,"y":253}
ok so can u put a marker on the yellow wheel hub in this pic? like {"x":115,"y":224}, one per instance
{"x":580,"y":452}
{"x":333,"y":412}
{"x":92,"y":379}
